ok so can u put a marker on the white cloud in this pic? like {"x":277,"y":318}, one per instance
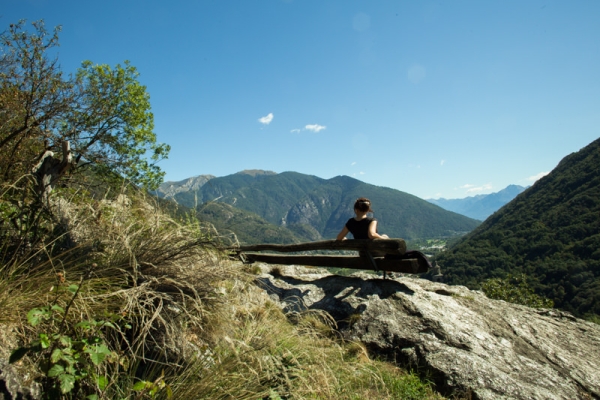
{"x":266,"y":120}
{"x":295,"y":131}
{"x":538,"y":176}
{"x":362,"y":173}
{"x":442,"y":162}
{"x":315,"y":127}
{"x":476,"y":189}
{"x":353,"y":163}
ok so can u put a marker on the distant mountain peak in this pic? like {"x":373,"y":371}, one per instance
{"x":170,"y":188}
{"x":480,"y":206}
{"x":256,"y":172}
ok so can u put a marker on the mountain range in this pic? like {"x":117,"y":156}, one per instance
{"x":550,"y":233}
{"x":264,"y":206}
{"x":480,"y":206}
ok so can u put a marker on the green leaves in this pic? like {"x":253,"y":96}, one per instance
{"x":67,"y":382}
{"x":118,"y":123}
{"x":36,"y":315}
{"x":103,"y":112}
{"x":66,"y":356}
{"x":97,"y":353}
{"x":514,"y":289}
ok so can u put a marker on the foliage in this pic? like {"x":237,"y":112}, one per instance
{"x":103,"y":113}
{"x":112,"y":127}
{"x":514,"y":289}
{"x":550,"y":233}
{"x":70,"y":356}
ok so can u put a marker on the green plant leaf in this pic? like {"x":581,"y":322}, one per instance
{"x":97,"y":353}
{"x":67,"y":382}
{"x":58,"y":308}
{"x":84,"y":325}
{"x":55,"y":371}
{"x":65,"y":341}
{"x":56,"y":355}
{"x":44,"y":341}
{"x":37,"y":315}
{"x":73,"y":288}
{"x":67,"y":358}
{"x":109,"y":324}
{"x":141,"y":385}
{"x":102,"y":382}
{"x":92,"y":397}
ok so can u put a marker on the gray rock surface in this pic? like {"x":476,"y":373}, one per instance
{"x":467,"y":344}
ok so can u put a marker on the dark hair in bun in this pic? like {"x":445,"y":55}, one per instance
{"x":363,"y":204}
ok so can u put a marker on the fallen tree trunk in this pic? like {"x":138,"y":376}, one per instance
{"x":410,"y":265}
{"x":378,"y":246}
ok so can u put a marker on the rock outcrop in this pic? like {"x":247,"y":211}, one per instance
{"x":467,"y":344}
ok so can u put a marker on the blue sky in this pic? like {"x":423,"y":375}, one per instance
{"x":434,"y":98}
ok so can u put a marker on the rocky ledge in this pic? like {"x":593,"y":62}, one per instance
{"x":467,"y":344}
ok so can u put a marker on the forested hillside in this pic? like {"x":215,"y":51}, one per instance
{"x":313,"y":208}
{"x":550,"y":232}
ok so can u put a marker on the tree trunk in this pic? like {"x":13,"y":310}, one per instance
{"x":49,"y":170}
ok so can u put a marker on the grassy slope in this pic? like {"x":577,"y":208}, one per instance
{"x":174,"y":298}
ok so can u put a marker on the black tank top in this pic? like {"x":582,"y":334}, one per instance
{"x":359,"y":229}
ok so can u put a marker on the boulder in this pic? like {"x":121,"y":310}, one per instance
{"x":465,"y":343}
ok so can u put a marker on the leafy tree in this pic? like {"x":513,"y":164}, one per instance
{"x":514,"y":289}
{"x":51,"y":124}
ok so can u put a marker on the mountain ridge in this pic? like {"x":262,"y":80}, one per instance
{"x":550,"y":233}
{"x":313,"y":208}
{"x":480,"y":206}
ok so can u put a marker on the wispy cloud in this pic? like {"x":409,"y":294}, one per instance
{"x":475,"y":189}
{"x":442,"y":162}
{"x":353,"y":163}
{"x":538,"y":176}
{"x":266,"y":120}
{"x":315,"y":127}
{"x":311,"y":127}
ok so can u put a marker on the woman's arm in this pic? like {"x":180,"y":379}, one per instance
{"x":342,"y":234}
{"x":373,"y":232}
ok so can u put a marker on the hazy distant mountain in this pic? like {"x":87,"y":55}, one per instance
{"x":313,"y":208}
{"x":481,"y":206}
{"x":550,"y":232}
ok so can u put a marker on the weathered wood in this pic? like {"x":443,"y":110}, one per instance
{"x":410,"y":265}
{"x":378,"y":246}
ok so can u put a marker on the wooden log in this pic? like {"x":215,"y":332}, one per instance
{"x":411,"y":265}
{"x":378,"y":246}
